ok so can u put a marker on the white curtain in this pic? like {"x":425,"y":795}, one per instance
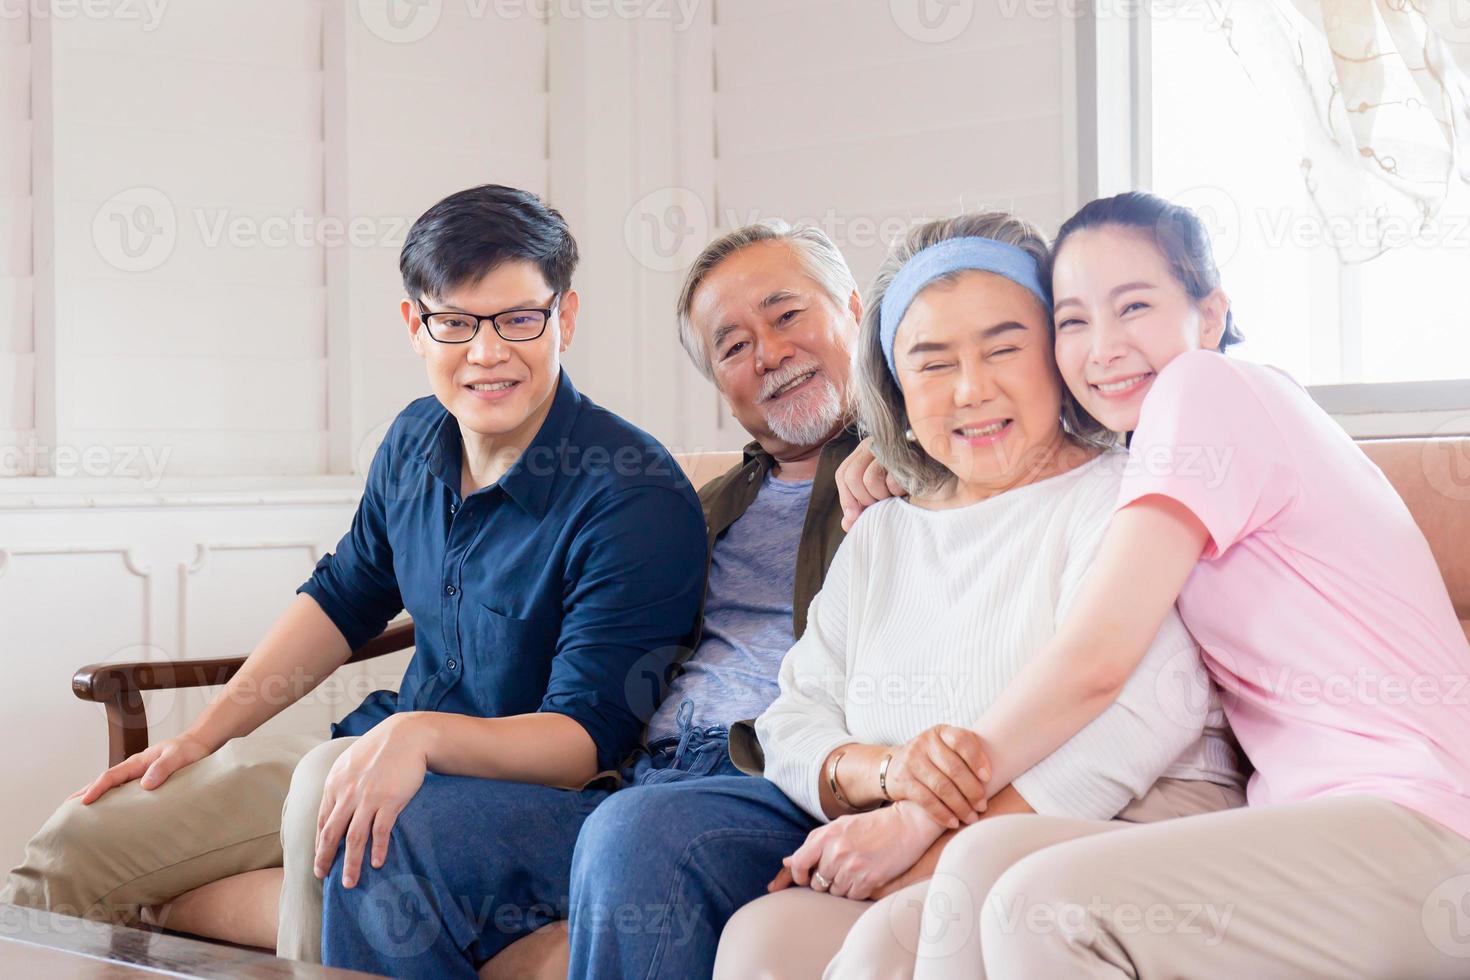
{"x":1381,"y":91}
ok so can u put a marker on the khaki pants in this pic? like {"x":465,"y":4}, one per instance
{"x":1351,"y":886}
{"x":222,"y":816}
{"x":801,"y":933}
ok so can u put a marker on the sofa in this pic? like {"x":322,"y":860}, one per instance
{"x":1432,"y":475}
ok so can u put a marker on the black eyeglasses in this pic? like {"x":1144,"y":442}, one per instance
{"x":516,"y":326}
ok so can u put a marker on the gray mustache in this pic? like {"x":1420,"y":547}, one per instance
{"x":775,"y":383}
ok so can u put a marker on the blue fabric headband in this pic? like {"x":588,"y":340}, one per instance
{"x":952,"y":255}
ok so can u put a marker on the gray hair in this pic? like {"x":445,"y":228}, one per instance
{"x":816,"y":252}
{"x":880,"y":404}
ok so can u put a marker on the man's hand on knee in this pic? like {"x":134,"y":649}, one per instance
{"x":152,"y":767}
{"x":368,"y":787}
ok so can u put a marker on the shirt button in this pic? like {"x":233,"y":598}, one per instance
{"x":450,"y":665}
{"x":450,"y":590}
{"x":750,"y":478}
{"x":453,"y":509}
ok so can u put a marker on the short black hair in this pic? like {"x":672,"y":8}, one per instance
{"x":469,"y":234}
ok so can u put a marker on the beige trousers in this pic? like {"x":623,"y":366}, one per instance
{"x":224,"y":815}
{"x":801,"y":933}
{"x":1351,"y":886}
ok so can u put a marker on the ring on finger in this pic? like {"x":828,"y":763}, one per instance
{"x":819,"y":882}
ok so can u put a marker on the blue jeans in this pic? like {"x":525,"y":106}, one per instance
{"x":659,"y":870}
{"x":475,"y":864}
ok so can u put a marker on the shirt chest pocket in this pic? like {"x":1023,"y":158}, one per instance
{"x":508,"y":660}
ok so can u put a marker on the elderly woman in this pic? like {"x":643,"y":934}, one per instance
{"x":933,"y":604}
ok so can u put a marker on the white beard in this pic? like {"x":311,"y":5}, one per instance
{"x":809,"y":417}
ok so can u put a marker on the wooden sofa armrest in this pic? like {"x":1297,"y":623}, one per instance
{"x":119,"y":687}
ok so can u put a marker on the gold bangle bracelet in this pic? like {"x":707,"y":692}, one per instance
{"x":837,"y":792}
{"x":883,"y":777}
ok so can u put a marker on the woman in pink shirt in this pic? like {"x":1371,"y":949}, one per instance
{"x":1325,"y":622}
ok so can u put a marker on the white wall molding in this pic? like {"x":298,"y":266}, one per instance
{"x":130,"y":562}
{"x":66,"y":495}
{"x":188,"y":601}
{"x":202,"y":553}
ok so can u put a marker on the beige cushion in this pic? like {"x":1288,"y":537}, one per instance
{"x":704,"y":467}
{"x":1433,"y":477}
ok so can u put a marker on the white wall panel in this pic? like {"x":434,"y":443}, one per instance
{"x":266,"y":33}
{"x":882,"y":122}
{"x":766,"y":41}
{"x":139,"y":578}
{"x":17,"y":319}
{"x":149,"y":93}
{"x":187,"y":183}
{"x":110,"y":616}
{"x":260,"y":320}
{"x":228,"y":596}
{"x":412,"y":116}
{"x":250,"y":395}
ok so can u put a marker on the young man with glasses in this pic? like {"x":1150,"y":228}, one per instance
{"x":547,"y":550}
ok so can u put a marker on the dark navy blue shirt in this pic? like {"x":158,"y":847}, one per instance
{"x":557,"y":588}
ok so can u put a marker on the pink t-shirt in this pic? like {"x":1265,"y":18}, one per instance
{"x":1322,"y":614}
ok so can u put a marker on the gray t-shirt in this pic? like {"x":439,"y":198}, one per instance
{"x":747,"y":615}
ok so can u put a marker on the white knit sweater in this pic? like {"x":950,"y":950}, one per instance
{"x":924,"y":618}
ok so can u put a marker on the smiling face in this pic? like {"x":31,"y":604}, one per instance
{"x":974,"y":362}
{"x":778,"y":346}
{"x":496,"y":388}
{"x":1121,"y":315}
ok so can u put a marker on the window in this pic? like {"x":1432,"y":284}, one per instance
{"x":1369,"y":333}
{"x":1220,"y":144}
